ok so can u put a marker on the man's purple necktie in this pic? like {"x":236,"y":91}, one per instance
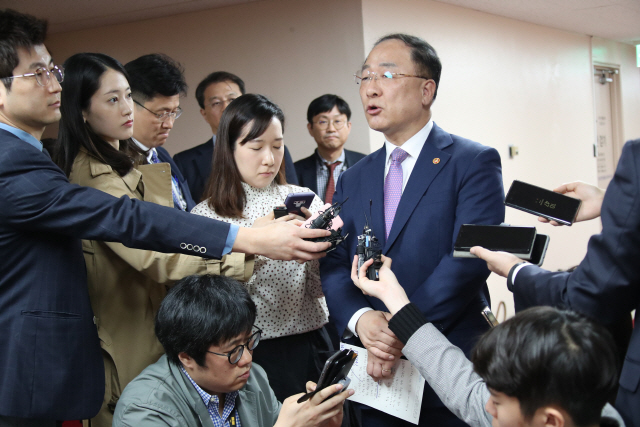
{"x":393,"y":188}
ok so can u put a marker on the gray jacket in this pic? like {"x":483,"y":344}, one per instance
{"x":451,"y":376}
{"x":162,"y":396}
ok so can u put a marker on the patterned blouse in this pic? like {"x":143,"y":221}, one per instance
{"x":288,"y":295}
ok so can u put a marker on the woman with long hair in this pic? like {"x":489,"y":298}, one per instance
{"x":246,"y":183}
{"x":126,"y":285}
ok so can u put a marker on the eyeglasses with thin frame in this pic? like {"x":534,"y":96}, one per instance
{"x":324,"y":124}
{"x":43,"y":75}
{"x":235,"y":355}
{"x":365,"y":76}
{"x":163,"y":117}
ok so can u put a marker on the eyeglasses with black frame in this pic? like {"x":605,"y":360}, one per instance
{"x":163,"y":117}
{"x":365,"y":76}
{"x":43,"y":75}
{"x":235,"y":355}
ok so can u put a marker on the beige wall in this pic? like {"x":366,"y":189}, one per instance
{"x":509,"y":82}
{"x":290,"y":50}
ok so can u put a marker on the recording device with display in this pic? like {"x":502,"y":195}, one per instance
{"x":542,"y":202}
{"x":369,"y":247}
{"x":335,"y":371}
{"x":516,"y":240}
{"x":324,"y":221}
{"x":279,"y":212}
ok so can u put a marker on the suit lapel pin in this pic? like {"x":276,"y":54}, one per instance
{"x":436,"y":161}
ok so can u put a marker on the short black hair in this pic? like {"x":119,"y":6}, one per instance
{"x":423,"y":55}
{"x":154,"y":75}
{"x":217,"y":77}
{"x":201,"y":311}
{"x":325,"y":103}
{"x":546,"y":356}
{"x":17,"y":30}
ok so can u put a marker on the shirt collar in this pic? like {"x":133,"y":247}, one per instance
{"x":414,"y":145}
{"x":206,"y":397}
{"x":148,"y":151}
{"x":323,"y":161}
{"x":25,"y":136}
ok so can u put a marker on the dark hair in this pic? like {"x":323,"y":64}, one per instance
{"x":224,"y":189}
{"x":201,"y":311}
{"x":423,"y":55}
{"x":545,"y":356}
{"x":83,"y":72}
{"x":325,"y":103}
{"x":155,"y":74}
{"x":17,"y":30}
{"x":217,"y":77}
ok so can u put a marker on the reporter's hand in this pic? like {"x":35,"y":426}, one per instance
{"x":498,"y":262}
{"x":387,"y":289}
{"x":590,"y":195}
{"x":314,"y":412}
{"x":373,"y":330}
{"x":281,"y":240}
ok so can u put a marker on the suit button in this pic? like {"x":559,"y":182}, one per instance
{"x":183,"y":246}
{"x":189,"y":247}
{"x":203,"y":250}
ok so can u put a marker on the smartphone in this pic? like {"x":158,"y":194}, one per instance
{"x":335,"y":371}
{"x":539,"y":249}
{"x":296,"y":201}
{"x":542,"y":202}
{"x":489,"y":317}
{"x":516,"y":240}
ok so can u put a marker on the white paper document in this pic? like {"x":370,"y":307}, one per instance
{"x":400,"y":396}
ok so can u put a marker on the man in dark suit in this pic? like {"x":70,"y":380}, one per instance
{"x":328,"y":123}
{"x":157,"y":83}
{"x":50,"y":363}
{"x":214,"y":94}
{"x":416,"y":191}
{"x":606,"y":284}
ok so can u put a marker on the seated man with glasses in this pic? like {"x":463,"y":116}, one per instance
{"x":206,"y":377}
{"x":328,"y":124}
{"x":157,"y":83}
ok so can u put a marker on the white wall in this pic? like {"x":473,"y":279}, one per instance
{"x":508,"y":82}
{"x":290,"y":50}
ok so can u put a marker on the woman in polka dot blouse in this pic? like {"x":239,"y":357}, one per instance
{"x":246,"y":183}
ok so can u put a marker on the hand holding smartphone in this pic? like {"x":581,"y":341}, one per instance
{"x":542,"y":202}
{"x":335,"y":371}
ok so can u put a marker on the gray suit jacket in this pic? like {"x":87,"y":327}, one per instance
{"x":162,"y":396}
{"x":450,"y":374}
